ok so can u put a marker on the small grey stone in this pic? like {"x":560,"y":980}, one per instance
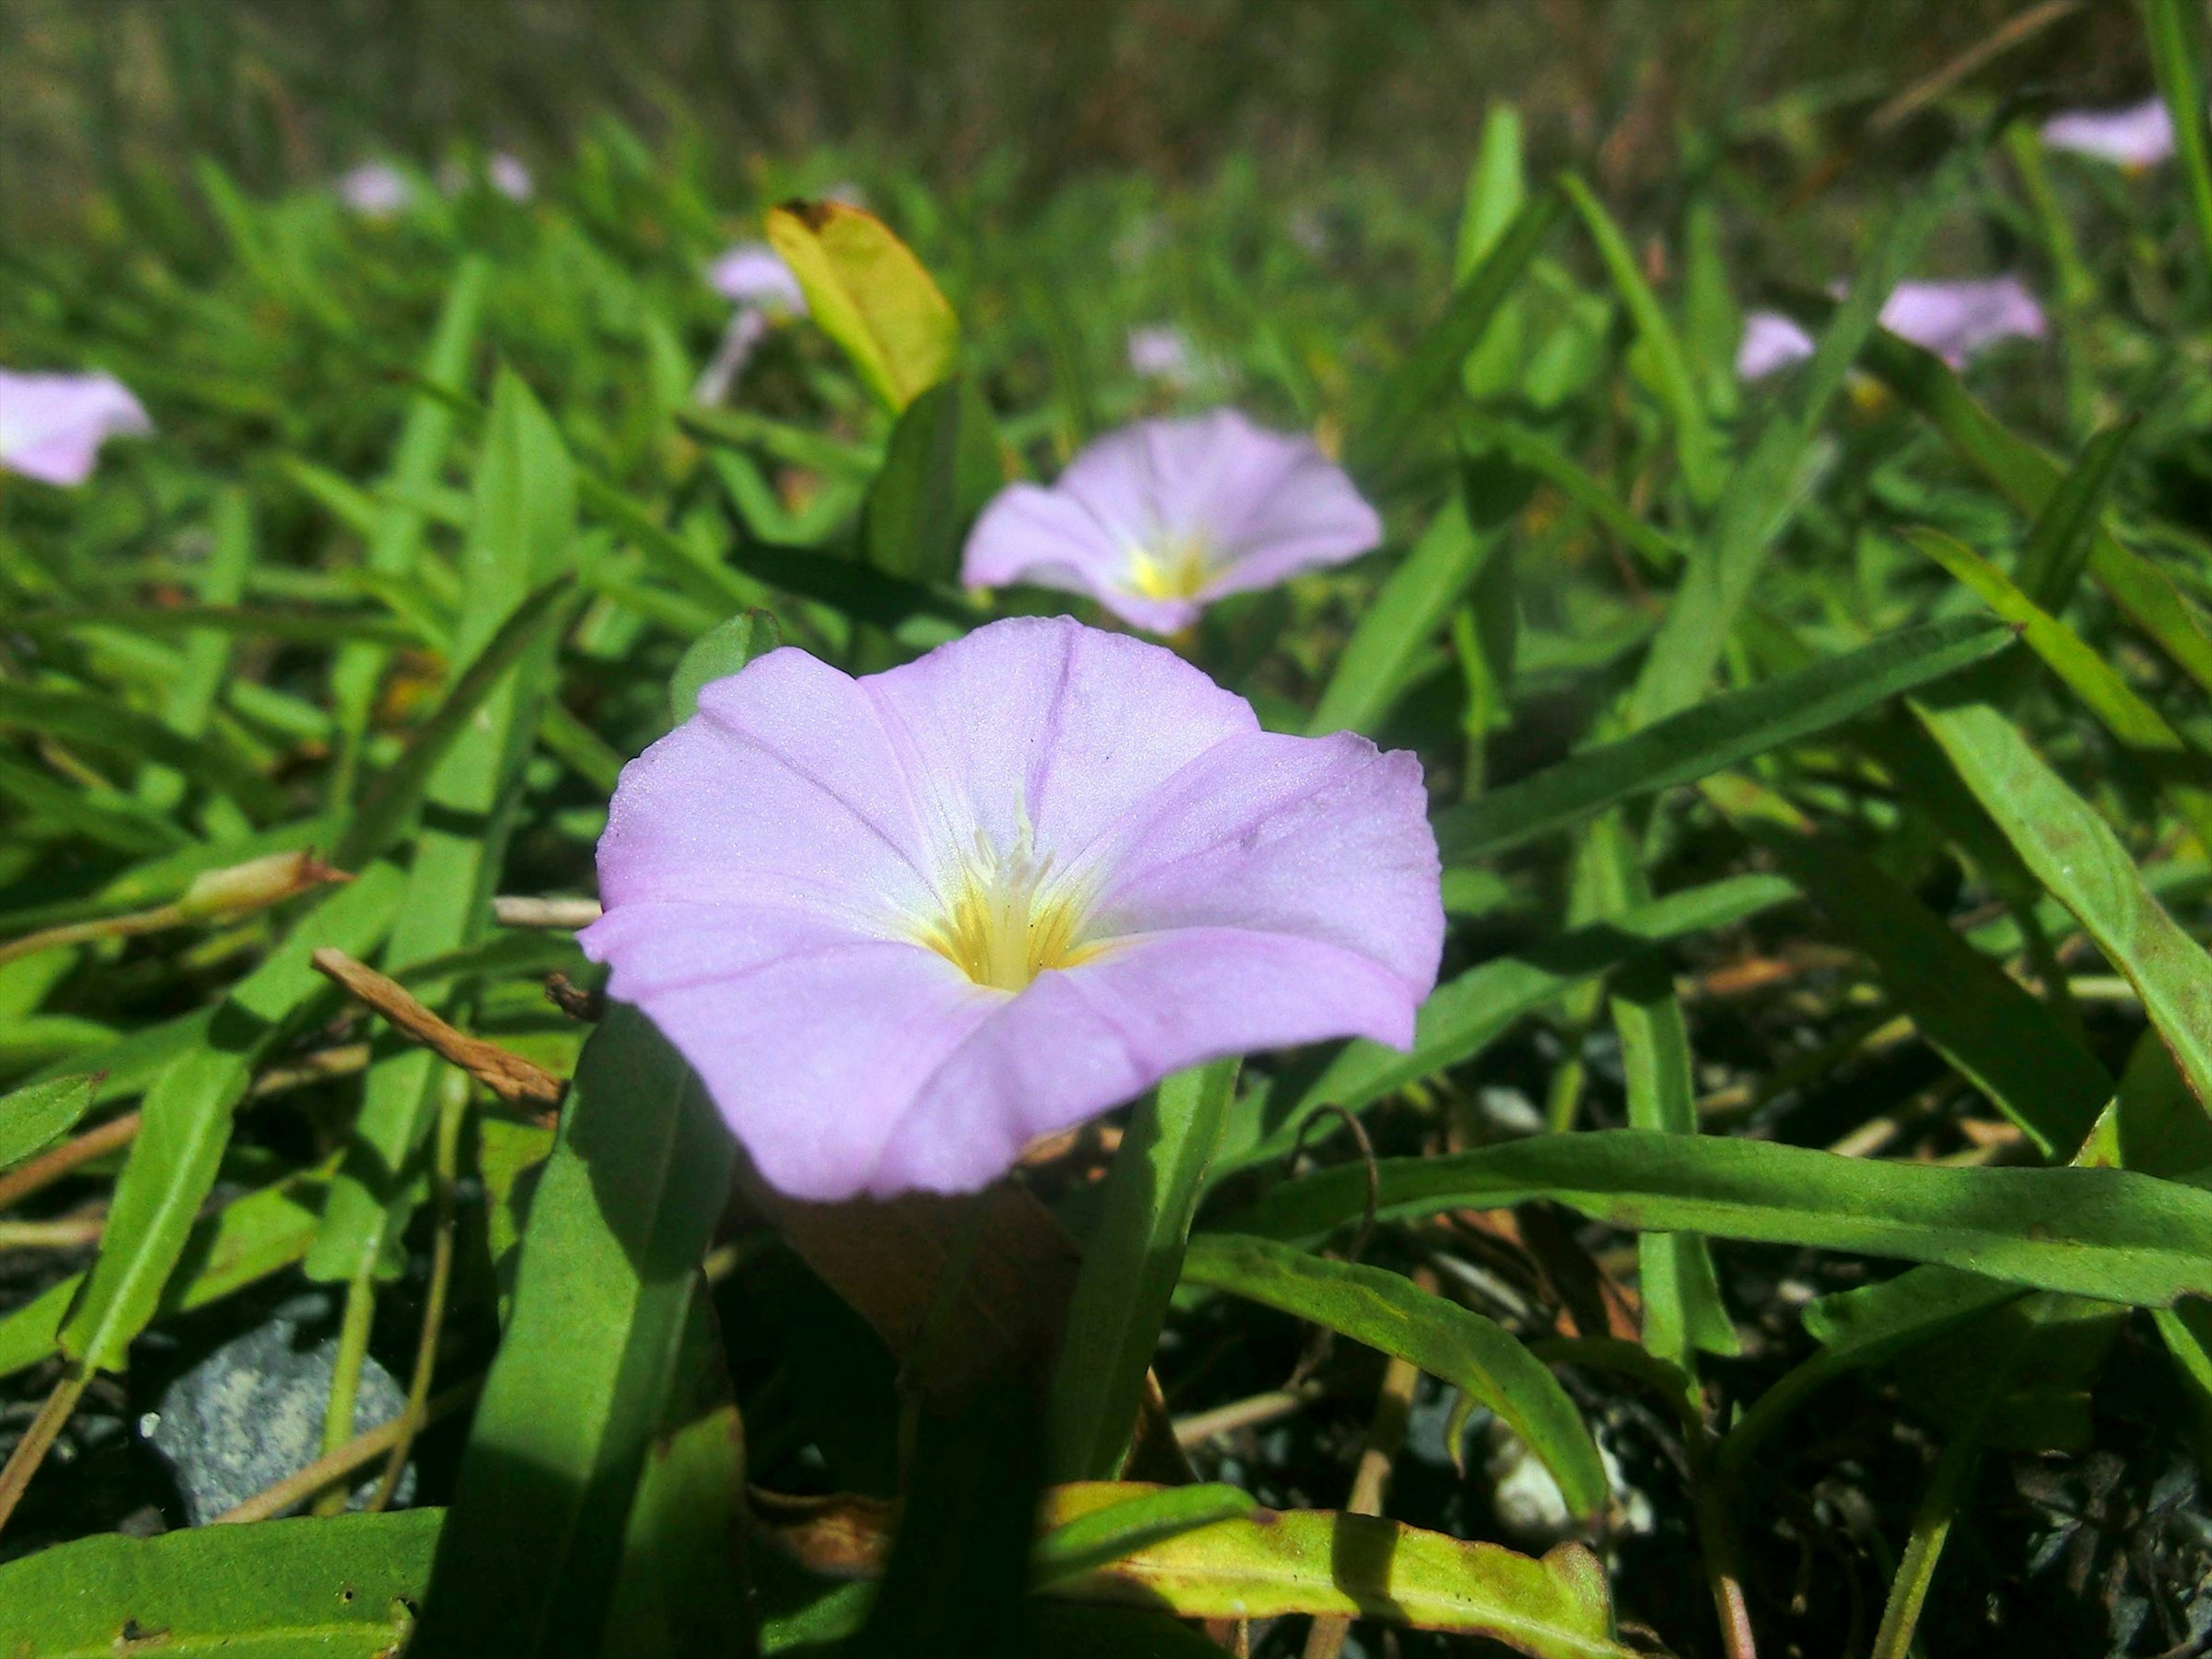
{"x":252,"y":1413}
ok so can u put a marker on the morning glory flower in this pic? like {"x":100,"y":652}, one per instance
{"x":1159,"y":519}
{"x":1954,"y":320}
{"x":510,"y":176}
{"x":51,"y":426}
{"x":2139,"y":136}
{"x":754,"y":274}
{"x":376,"y":190}
{"x":1161,"y":351}
{"x":901,"y":925}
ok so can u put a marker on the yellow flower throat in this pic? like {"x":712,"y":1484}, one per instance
{"x":1003,"y":924}
{"x":1176,"y":571}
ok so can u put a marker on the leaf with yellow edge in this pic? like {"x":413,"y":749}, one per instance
{"x":869,"y":294}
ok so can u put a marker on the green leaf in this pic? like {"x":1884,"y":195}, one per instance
{"x":867,"y":291}
{"x":2118,"y":707}
{"x":185,"y":1119}
{"x":1464,"y":1015}
{"x":227,"y":621}
{"x":1495,"y":188}
{"x":520,"y":535}
{"x":1757,"y":502}
{"x":1152,"y":1515}
{"x":393,"y":799}
{"x":2174,"y":31}
{"x":100,"y":721}
{"x":2107,"y":1233}
{"x":34,"y":1116}
{"x":2057,"y":547}
{"x":1379,"y":659}
{"x":941,"y":467}
{"x":1453,"y":1344}
{"x":1410,"y":396}
{"x":1717,"y":734}
{"x":1534,"y":452}
{"x":1697,"y":444}
{"x":275,"y":1589}
{"x":1975,"y":1014}
{"x":2028,"y":478}
{"x":2078,"y":857}
{"x":629,"y":1197}
{"x":718,"y":653}
{"x":1130,"y":1266}
{"x":1314,"y":1561}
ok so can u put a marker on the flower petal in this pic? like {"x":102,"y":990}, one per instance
{"x":51,"y":426}
{"x":1047,"y":539}
{"x":784,"y":789}
{"x":1326,"y":840}
{"x":1080,"y":1040}
{"x":814,"y":1040}
{"x":1041,"y":724}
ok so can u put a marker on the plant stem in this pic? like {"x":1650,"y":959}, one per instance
{"x":49,"y":1167}
{"x":345,"y":1378}
{"x":38,"y":1440}
{"x":1716,"y":1541}
{"x":1931,"y":1528}
{"x":362,"y":1449}
{"x":452,"y":1106}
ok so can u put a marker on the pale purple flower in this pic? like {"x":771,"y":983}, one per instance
{"x":1954,"y":320}
{"x":904,"y":925}
{"x":1160,"y":518}
{"x":754,"y":274}
{"x":1771,"y":342}
{"x":1161,"y":351}
{"x":748,"y":327}
{"x":376,"y":189}
{"x":2139,"y":136}
{"x":510,"y":177}
{"x":51,"y":426}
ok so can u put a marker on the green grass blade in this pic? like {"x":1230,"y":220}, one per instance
{"x":1412,"y":395}
{"x":1388,"y":1312}
{"x":342,"y":1587}
{"x":2172,"y":29}
{"x":1696,"y":444}
{"x":520,"y":533}
{"x":187,"y":1120}
{"x":192,"y":698}
{"x":1149,"y":1515}
{"x":1379,"y":659}
{"x":1537,"y":453}
{"x":639,"y":1176}
{"x":34,"y":1116}
{"x":2110,"y":1234}
{"x":2058,"y":542}
{"x":2079,"y":858}
{"x":1464,"y":1015}
{"x":1717,"y":734}
{"x":1129,"y":1270}
{"x":101,"y":721}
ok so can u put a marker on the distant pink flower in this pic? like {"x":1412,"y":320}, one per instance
{"x":51,"y":426}
{"x":2139,"y":136}
{"x":901,"y":925}
{"x":1954,"y":320}
{"x":1159,"y":519}
{"x":376,"y":190}
{"x":1161,"y":351}
{"x":510,"y":177}
{"x":754,"y":274}
{"x":1771,"y":343}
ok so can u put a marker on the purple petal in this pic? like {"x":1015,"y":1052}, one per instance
{"x":51,"y":426}
{"x":2139,"y":136}
{"x":1079,"y":1042}
{"x":1043,"y":724}
{"x":1161,"y":351}
{"x":797,"y":879}
{"x":510,"y":177}
{"x":754,"y":274}
{"x":1956,"y":319}
{"x":1159,"y":517}
{"x":376,"y":189}
{"x":784,"y":789}
{"x":1770,"y":344}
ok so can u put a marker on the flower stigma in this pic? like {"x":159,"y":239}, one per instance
{"x":1006,"y":923}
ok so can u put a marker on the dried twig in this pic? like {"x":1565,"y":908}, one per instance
{"x":507,"y":1075}
{"x":48,"y":1167}
{"x":513,"y":910}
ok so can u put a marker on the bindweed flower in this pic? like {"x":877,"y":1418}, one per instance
{"x":1954,"y":320}
{"x":1161,"y":351}
{"x":2139,"y":136}
{"x":904,"y":925}
{"x":754,"y":274}
{"x":51,"y":426}
{"x":510,"y":176}
{"x":375,"y":190}
{"x":1159,"y":519}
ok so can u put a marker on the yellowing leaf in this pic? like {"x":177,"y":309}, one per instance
{"x":869,"y":294}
